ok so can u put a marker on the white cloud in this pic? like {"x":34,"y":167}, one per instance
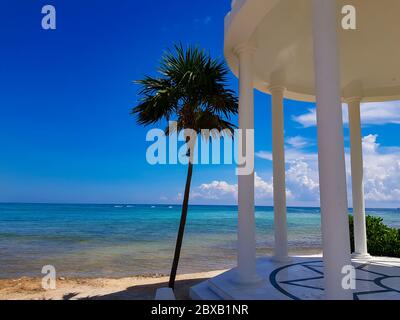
{"x":263,"y":190}
{"x":215,"y":190}
{"x":381,"y":173}
{"x":302,"y":181}
{"x":224,"y":191}
{"x":308,"y":119}
{"x":381,"y":178}
{"x":370,"y":146}
{"x":372,"y":113}
{"x":266,"y":155}
{"x":381,"y":112}
{"x":297,"y":142}
{"x":301,"y":173}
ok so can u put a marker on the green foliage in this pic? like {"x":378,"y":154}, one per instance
{"x":382,"y":241}
{"x":191,"y":89}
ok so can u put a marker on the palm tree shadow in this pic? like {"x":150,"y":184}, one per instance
{"x":69,"y":296}
{"x":147,"y":292}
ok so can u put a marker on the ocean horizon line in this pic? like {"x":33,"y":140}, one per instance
{"x":174,"y":204}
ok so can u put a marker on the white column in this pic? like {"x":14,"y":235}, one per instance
{"x":357,"y":173}
{"x":278,"y":156}
{"x":332,"y":174}
{"x":246,"y":221}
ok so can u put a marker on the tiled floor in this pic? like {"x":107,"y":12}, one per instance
{"x":302,"y":279}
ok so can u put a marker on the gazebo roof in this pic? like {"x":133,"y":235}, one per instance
{"x":281,"y":30}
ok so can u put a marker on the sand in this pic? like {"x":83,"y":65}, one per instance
{"x":132,"y":288}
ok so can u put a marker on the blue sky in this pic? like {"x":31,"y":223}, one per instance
{"x":65,"y":95}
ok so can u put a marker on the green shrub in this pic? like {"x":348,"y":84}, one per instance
{"x":382,"y":241}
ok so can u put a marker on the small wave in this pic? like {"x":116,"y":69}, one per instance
{"x":118,"y":206}
{"x":170,"y":207}
{"x":153,"y":207}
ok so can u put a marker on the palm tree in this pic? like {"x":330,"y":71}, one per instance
{"x":191,"y":90}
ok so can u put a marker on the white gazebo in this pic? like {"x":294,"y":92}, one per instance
{"x":299,"y":49}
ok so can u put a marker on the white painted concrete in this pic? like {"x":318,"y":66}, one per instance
{"x":282,"y":30}
{"x":333,"y":191}
{"x":302,"y":279}
{"x":357,"y":173}
{"x":278,"y":156}
{"x":246,"y":271}
{"x":309,"y":77}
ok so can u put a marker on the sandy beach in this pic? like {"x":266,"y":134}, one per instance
{"x":130,"y":288}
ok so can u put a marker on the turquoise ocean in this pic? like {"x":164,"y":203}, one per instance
{"x":126,"y":240}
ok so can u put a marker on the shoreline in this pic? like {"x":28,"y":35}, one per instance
{"x":128,"y":288}
{"x":156,"y":268}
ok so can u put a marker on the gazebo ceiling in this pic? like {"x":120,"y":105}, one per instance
{"x":281,"y":30}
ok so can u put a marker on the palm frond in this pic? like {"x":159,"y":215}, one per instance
{"x":190,"y":86}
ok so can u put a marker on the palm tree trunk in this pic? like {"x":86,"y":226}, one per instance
{"x":182,"y":225}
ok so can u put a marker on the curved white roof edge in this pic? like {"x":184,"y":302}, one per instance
{"x":240,"y":25}
{"x":238,"y":31}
